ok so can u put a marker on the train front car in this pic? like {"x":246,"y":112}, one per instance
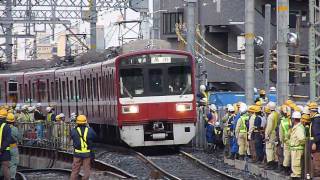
{"x":156,"y":104}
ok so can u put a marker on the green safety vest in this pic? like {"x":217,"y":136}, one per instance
{"x":1,"y":133}
{"x":285,"y":124}
{"x":243,"y":119}
{"x":49,"y":117}
{"x":83,"y":141}
{"x":299,"y":147}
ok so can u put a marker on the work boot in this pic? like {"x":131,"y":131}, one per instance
{"x":270,"y":165}
{"x":231,"y":156}
{"x":241,"y":157}
{"x":287,"y":171}
{"x":279,"y":169}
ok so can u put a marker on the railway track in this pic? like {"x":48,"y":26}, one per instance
{"x":44,"y":174}
{"x":175,"y":165}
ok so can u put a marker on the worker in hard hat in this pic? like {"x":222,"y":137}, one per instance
{"x":83,"y":137}
{"x":315,"y":137}
{"x":39,"y":119}
{"x":241,"y":130}
{"x":211,"y":119}
{"x":228,"y":125}
{"x":14,"y":152}
{"x":226,"y":130}
{"x":256,"y":135}
{"x":5,"y":141}
{"x":297,"y":143}
{"x":51,"y":116}
{"x":262,"y":97}
{"x":252,"y":147}
{"x":60,"y":130}
{"x":204,"y":97}
{"x":234,"y":141}
{"x":270,"y":134}
{"x":284,"y":136}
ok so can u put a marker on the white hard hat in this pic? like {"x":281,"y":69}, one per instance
{"x":255,"y":90}
{"x":25,"y":107}
{"x":202,"y":87}
{"x":18,"y":105}
{"x":300,"y":107}
{"x":30,"y":108}
{"x":305,"y":110}
{"x":228,"y":105}
{"x":273,"y":89}
{"x":217,"y":123}
{"x":231,"y":109}
{"x":62,"y":115}
{"x":296,"y":115}
{"x":73,"y":114}
{"x":38,"y":105}
{"x":243,"y":108}
{"x":213,"y":107}
{"x":18,"y":108}
{"x":48,"y":109}
{"x":272,"y":105}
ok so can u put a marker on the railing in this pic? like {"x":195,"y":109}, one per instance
{"x":53,"y":135}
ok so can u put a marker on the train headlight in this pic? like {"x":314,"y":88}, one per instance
{"x":132,"y":109}
{"x":182,"y":107}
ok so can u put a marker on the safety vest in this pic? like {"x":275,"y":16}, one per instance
{"x":27,"y":117}
{"x":298,"y":147}
{"x":83,"y":141}
{"x":49,"y":116}
{"x":1,"y":133}
{"x":285,"y":125}
{"x":243,"y":126}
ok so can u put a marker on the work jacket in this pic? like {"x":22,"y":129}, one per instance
{"x":284,"y":130}
{"x":297,"y":137}
{"x":272,"y":121}
{"x":5,"y":140}
{"x":83,"y":138}
{"x":315,"y":131}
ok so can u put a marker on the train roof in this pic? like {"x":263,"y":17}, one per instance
{"x":89,"y":59}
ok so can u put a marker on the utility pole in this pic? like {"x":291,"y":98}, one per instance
{"x":249,"y":64}
{"x":282,"y":51}
{"x":8,"y":33}
{"x":267,"y":38}
{"x":191,"y":7}
{"x":93,"y":24}
{"x":312,"y":48}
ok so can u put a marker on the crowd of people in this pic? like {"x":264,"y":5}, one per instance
{"x":274,"y":136}
{"x":18,"y":122}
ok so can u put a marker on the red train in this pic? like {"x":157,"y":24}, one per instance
{"x":144,"y":98}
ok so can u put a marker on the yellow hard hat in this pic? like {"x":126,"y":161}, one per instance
{"x":267,"y":109}
{"x":313,"y":106}
{"x":262,"y":92}
{"x":305,"y":118}
{"x":257,"y":108}
{"x":3,"y":113}
{"x":259,"y":103}
{"x":251,"y":109}
{"x":10,"y":117}
{"x":296,"y":108}
{"x":81,"y":119}
{"x":6,"y":106}
{"x":289,"y":102}
{"x":58,"y":118}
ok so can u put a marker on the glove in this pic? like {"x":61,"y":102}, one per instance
{"x":314,"y":147}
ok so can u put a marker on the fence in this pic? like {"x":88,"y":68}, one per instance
{"x":199,"y":141}
{"x":53,"y":135}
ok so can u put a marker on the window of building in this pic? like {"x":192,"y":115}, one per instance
{"x":170,"y":20}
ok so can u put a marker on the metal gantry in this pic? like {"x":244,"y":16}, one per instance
{"x":314,"y":48}
{"x":32,"y":12}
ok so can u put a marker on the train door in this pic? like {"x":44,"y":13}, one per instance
{"x":74,"y":95}
{"x":96,"y":79}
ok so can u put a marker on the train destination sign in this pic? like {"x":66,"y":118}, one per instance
{"x":159,"y":60}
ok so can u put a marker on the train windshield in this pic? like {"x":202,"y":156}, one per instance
{"x":155,"y":75}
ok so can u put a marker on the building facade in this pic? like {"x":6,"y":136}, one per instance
{"x":222,"y":22}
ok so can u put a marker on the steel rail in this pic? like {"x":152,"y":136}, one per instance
{"x":206,"y":166}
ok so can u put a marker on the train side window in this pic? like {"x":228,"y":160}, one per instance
{"x":106,"y":89}
{"x":57,"y":92}
{"x":72,"y":90}
{"x":13,"y":91}
{"x":33,"y":91}
{"x":88,"y":88}
{"x":63,"y":89}
{"x":0,"y":91}
{"x":100,"y":87}
{"x":42,"y":90}
{"x":84,"y":87}
{"x":48,"y":91}
{"x":52,"y":91}
{"x":94,"y":85}
{"x":20,"y":92}
{"x":26,"y":94}
{"x":79,"y":89}
{"x":111,"y":86}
